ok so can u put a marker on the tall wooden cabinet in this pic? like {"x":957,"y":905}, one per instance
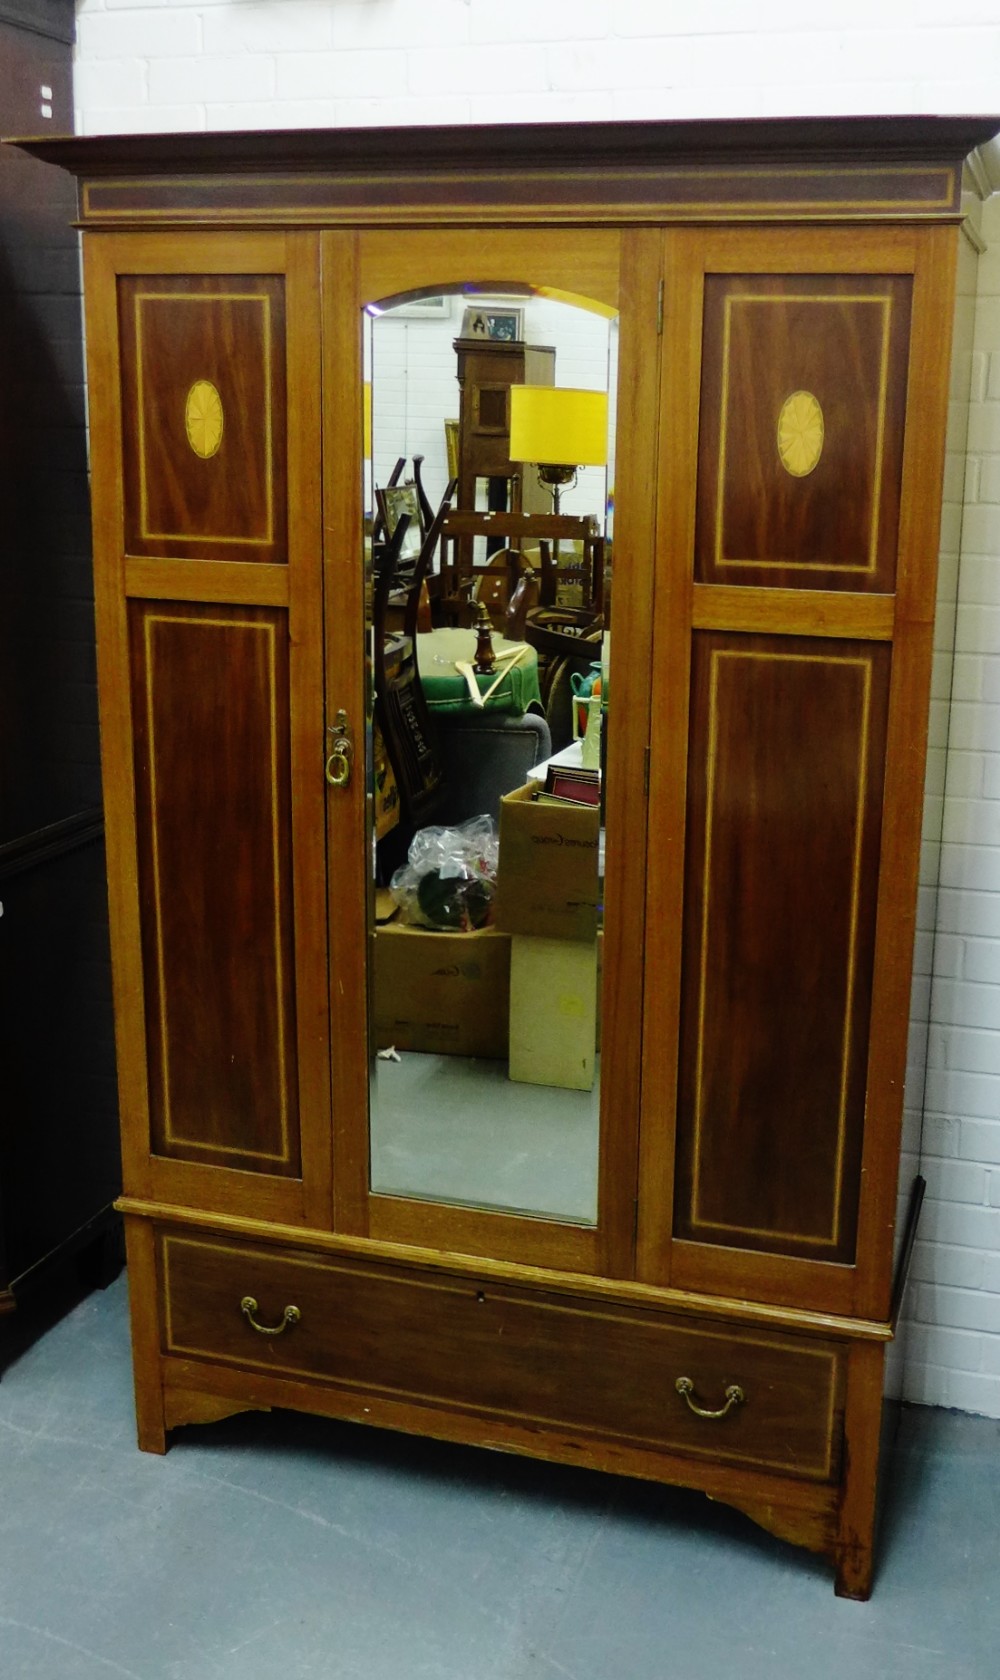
{"x":783,"y":294}
{"x":486,"y":370}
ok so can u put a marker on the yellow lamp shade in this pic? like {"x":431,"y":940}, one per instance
{"x":557,"y":426}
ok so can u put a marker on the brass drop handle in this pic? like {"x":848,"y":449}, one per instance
{"x":734,"y":1397}
{"x":248,"y":1306}
{"x":338,"y":764}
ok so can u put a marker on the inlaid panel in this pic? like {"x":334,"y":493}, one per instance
{"x":203,"y":415}
{"x":210,"y":719}
{"x":800,"y":453}
{"x":785,"y":781}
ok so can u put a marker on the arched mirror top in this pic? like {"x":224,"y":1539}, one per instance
{"x":417,"y":348}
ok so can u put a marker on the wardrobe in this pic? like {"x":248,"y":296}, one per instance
{"x":716,"y":1313}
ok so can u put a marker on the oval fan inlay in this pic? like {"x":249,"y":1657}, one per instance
{"x":800,"y":433}
{"x":203,"y":418}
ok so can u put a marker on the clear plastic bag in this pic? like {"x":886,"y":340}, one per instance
{"x":449,"y":878}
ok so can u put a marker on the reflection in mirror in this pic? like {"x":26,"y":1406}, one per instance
{"x":488,"y":480}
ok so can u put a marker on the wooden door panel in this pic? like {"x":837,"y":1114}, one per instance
{"x":802,"y":415}
{"x":800,"y":449}
{"x":208,"y":532}
{"x":786,"y":757}
{"x":203,"y":409}
{"x":210,"y":710}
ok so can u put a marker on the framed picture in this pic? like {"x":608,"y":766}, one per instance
{"x":503,"y":323}
{"x":397,"y":500}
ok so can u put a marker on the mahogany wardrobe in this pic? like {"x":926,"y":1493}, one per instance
{"x":696,"y":1273}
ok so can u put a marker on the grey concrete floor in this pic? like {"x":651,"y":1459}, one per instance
{"x":289,"y":1548}
{"x":457,"y":1129}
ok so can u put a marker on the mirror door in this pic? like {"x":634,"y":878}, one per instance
{"x":488,"y":838}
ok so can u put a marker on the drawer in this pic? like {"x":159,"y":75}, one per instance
{"x":496,"y":1350}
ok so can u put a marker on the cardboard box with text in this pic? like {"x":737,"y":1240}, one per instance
{"x":547,"y":881}
{"x":445,"y":993}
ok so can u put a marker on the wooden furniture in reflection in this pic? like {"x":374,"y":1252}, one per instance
{"x":378,"y":530}
{"x":783,"y":291}
{"x":486,"y":370}
{"x":424,"y":511}
{"x":525,"y":540}
{"x":573,"y":573}
{"x":566,"y":640}
{"x":401,"y":716}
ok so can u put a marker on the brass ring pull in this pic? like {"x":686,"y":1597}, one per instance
{"x":338,"y":765}
{"x":734,"y":1397}
{"x":248,"y":1306}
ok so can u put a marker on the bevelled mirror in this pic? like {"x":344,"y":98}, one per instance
{"x":488,"y":495}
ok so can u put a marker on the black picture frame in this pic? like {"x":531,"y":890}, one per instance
{"x":500,"y":323}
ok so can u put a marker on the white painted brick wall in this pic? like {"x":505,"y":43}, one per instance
{"x":384,"y":61}
{"x":931,"y":951}
{"x":150,"y":65}
{"x":953,"y":1342}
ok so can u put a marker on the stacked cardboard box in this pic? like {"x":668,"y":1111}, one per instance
{"x":444,"y":993}
{"x":548,"y":890}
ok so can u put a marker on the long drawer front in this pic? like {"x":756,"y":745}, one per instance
{"x":510,"y":1353}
